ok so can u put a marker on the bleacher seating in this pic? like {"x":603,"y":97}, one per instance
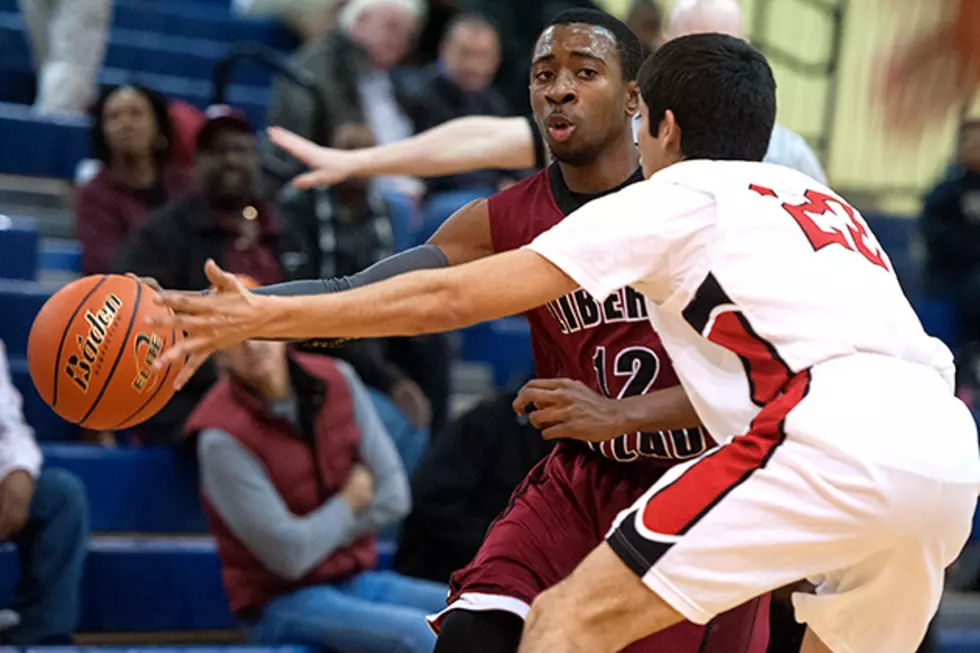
{"x":37,"y":146}
{"x":18,"y":248}
{"x":137,"y":50}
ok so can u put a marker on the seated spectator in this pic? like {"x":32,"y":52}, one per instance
{"x":786,"y":147}
{"x":45,"y":514}
{"x":354,"y":66}
{"x":458,"y":85}
{"x":950,"y":226}
{"x":646,"y":21}
{"x":297,"y":475}
{"x":341,"y":230}
{"x":224,"y":220}
{"x":131,"y":137}
{"x":68,"y":39}
{"x":462,"y":483}
{"x":520,"y":23}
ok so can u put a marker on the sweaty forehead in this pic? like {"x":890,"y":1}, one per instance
{"x":590,"y":40}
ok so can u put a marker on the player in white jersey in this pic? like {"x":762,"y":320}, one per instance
{"x":849,"y":463}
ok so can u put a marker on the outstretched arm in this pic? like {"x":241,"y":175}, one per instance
{"x":460,"y":145}
{"x":419,"y":302}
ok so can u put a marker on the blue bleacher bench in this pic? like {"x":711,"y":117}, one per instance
{"x":48,"y":427}
{"x":146,"y":584}
{"x":57,"y":254}
{"x":36,"y":146}
{"x":151,"y":490}
{"x":20,"y":301}
{"x":504,"y":344}
{"x":18,"y":248}
{"x":242,"y":648}
{"x":137,"y":50}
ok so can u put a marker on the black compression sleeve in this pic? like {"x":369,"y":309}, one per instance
{"x":423,"y":257}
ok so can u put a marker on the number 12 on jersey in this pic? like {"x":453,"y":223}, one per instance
{"x":639,"y":367}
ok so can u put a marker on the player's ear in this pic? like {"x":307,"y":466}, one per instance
{"x":632,"y":98}
{"x":670,"y":134}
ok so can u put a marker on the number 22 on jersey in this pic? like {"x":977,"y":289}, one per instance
{"x":827,"y":231}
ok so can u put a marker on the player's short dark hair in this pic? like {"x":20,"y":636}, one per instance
{"x":721,"y":91}
{"x":628,"y":47}
{"x":161,"y":110}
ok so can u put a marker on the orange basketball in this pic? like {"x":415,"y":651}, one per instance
{"x":90,"y":353}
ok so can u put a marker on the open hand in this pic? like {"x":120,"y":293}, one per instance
{"x":329,"y":166}
{"x":358,"y":491}
{"x":211,"y":322}
{"x":564,"y":408}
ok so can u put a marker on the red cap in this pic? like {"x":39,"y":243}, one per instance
{"x":221,"y":116}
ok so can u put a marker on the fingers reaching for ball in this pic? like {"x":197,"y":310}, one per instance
{"x":225,"y":317}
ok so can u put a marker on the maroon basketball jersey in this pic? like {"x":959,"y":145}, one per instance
{"x":608,"y":345}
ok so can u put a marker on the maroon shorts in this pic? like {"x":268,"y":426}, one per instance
{"x":556,"y":517}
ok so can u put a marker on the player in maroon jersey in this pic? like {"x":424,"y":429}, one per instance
{"x":604,"y":380}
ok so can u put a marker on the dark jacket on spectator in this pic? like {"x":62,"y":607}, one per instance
{"x":107,"y":210}
{"x":444,"y":101}
{"x":333,"y":62}
{"x":306,"y":470}
{"x":172,"y":247}
{"x":321,"y":239}
{"x":951,"y":230}
{"x":462,"y":483}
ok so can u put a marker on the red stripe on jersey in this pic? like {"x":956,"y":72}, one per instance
{"x":679,"y":506}
{"x":768,"y":373}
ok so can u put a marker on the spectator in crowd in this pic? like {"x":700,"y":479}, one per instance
{"x":354,"y":65}
{"x":459,"y":85}
{"x":131,"y":137}
{"x":439,"y":15}
{"x":462,"y":483}
{"x":297,"y":475}
{"x":45,"y":514}
{"x":951,"y":230}
{"x":646,"y":21}
{"x":225,"y":220}
{"x":68,"y":38}
{"x":479,"y":142}
{"x":340,"y":230}
{"x":519,"y":23}
{"x":786,"y":148}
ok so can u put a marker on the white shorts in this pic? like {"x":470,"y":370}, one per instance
{"x":766,"y":510}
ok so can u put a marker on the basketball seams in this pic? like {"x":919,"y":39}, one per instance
{"x":64,"y":334}
{"x":163,"y":382}
{"x":119,"y":355}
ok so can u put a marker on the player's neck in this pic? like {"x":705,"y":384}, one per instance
{"x":610,"y":169}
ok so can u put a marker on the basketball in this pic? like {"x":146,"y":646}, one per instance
{"x":90,"y":353}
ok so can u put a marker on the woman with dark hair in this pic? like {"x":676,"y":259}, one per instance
{"x":132,"y":135}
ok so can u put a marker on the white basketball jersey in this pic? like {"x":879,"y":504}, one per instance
{"x":756,"y":273}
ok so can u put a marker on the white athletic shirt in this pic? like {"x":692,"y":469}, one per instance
{"x":754,"y":273}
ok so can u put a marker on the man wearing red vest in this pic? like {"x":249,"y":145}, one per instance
{"x":298,"y":473}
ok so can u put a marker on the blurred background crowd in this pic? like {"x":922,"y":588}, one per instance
{"x":132,"y":138}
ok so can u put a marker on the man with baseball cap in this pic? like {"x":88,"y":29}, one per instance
{"x":224,"y":219}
